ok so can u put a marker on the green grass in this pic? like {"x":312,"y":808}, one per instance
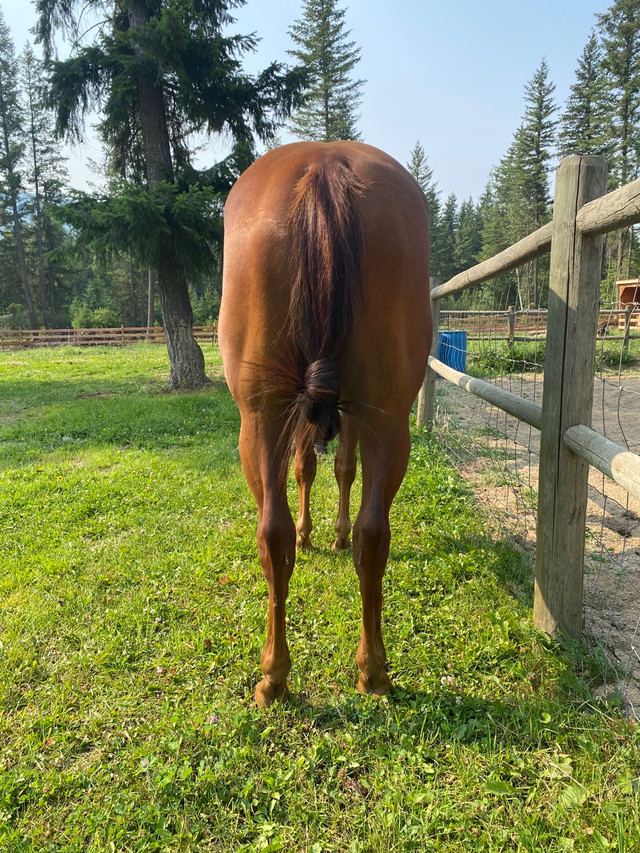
{"x":132,"y":616}
{"x":496,"y":358}
{"x":610,"y":354}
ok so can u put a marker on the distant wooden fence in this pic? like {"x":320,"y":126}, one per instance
{"x":615,"y":324}
{"x":582,"y":214}
{"x":518,"y":326}
{"x":11,"y":339}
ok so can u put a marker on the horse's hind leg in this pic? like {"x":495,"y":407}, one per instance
{"x":345,"y":471}
{"x":384,"y":458}
{"x":264,"y":461}
{"x":305,"y":472}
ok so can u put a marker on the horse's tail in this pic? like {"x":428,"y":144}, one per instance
{"x":327,"y":248}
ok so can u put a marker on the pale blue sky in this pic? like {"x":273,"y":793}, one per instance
{"x":449,"y":73}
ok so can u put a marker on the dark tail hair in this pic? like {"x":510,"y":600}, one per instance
{"x":327,"y":249}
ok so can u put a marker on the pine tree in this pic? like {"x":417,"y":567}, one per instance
{"x":448,"y":227}
{"x":418,"y":166}
{"x":162,"y":72}
{"x":12,"y":145}
{"x":619,"y":28}
{"x":495,"y":228}
{"x":585,"y":122}
{"x":45,"y":175}
{"x":519,"y":185}
{"x":332,"y":97}
{"x":535,"y":142}
{"x":467,"y":242}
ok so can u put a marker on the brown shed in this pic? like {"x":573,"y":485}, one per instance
{"x":628,"y":291}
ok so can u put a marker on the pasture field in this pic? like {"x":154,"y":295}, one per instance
{"x":132,"y":616}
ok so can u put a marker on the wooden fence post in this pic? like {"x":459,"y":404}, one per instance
{"x":426,"y":397}
{"x":574,"y":291}
{"x":511,"y":325}
{"x":628,"y":311}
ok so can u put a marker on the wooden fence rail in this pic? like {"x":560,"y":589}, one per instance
{"x":582,"y":214}
{"x":613,"y":324}
{"x":122,"y":336}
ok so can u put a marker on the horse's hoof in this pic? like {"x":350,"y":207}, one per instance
{"x":377,"y":686}
{"x":267,"y":693}
{"x":342,"y":544}
{"x":303,"y":543}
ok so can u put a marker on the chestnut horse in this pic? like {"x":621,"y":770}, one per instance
{"x":325,"y":327}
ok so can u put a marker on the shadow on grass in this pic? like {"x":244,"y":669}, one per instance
{"x":438,"y":718}
{"x":449,"y":715}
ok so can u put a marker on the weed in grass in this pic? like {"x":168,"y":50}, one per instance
{"x":132,"y":615}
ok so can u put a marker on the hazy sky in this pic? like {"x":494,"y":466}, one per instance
{"x":449,"y":73}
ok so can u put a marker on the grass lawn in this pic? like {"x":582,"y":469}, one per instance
{"x":132,"y":616}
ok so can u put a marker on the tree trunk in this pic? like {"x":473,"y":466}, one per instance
{"x":41,"y":268}
{"x":22,"y":263}
{"x":620,"y":236}
{"x":53,"y":317}
{"x":151,"y":301}
{"x":185,"y":356}
{"x":132,"y":293}
{"x":629,"y":253}
{"x":143,"y":279}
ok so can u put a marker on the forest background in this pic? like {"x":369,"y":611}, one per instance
{"x":64,"y":262}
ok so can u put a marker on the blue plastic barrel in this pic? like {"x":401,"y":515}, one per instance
{"x":452,"y":349}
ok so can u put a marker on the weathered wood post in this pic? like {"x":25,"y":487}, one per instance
{"x":426,"y":397}
{"x":574,"y":290}
{"x":628,"y":311}
{"x":511,"y":325}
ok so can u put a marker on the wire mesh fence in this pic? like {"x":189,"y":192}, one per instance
{"x":499,"y":455}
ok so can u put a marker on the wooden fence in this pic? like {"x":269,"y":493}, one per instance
{"x":617,"y":324}
{"x":514,"y":325}
{"x":582,"y":214}
{"x":30,"y":338}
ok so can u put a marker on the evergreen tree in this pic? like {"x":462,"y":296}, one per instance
{"x":332,"y":97}
{"x":585,"y":122}
{"x":447,"y":234}
{"x":495,"y":228}
{"x":44,"y":176}
{"x":419,"y":167}
{"x":535,"y":142}
{"x":619,"y":28}
{"x":467,"y":242}
{"x":12,"y":145}
{"x":519,"y":186}
{"x":162,"y":71}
